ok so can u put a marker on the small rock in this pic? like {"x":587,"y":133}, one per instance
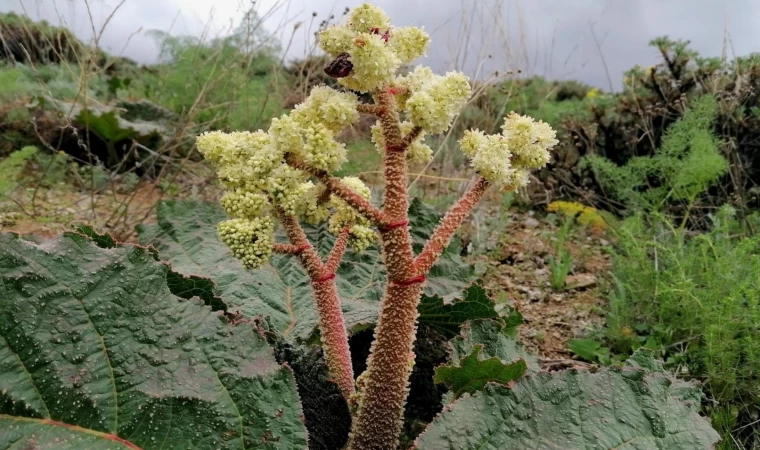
{"x":531,"y":223}
{"x":581,"y":281}
{"x":604,"y":242}
{"x":535,"y":295}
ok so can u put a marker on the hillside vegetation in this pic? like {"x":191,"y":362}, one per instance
{"x":640,"y":237}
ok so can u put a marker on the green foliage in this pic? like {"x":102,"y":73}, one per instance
{"x":497,"y":339}
{"x":12,"y":167}
{"x":61,"y":82}
{"x":185,"y":235}
{"x":696,"y":299}
{"x":446,"y":318}
{"x":474,"y":372}
{"x":232,"y":84}
{"x":561,"y":262}
{"x":98,"y":352}
{"x":608,"y":409}
{"x":688,"y":162}
{"x":484,"y":353}
{"x":590,"y":350}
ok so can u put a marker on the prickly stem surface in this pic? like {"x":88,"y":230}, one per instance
{"x":334,"y":337}
{"x":378,"y":422}
{"x":381,"y":409}
{"x":449,"y":225}
{"x":286,"y":249}
{"x":332,"y":327}
{"x":338,"y":250}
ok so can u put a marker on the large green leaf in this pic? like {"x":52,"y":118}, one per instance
{"x":474,"y":372}
{"x":96,"y":352}
{"x":623,"y":409}
{"x":446,"y":318}
{"x":185,"y":235}
{"x":493,"y":336}
{"x":485,"y":351}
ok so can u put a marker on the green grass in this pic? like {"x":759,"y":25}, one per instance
{"x":695,"y":299}
{"x":362,"y":157}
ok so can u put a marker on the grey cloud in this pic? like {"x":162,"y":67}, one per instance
{"x":545,"y":37}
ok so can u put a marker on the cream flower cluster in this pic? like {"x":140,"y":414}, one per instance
{"x":251,"y":167}
{"x":506,"y":159}
{"x":418,"y":152}
{"x":375,"y":49}
{"x":361,"y":235}
{"x":250,"y":240}
{"x":433,"y":101}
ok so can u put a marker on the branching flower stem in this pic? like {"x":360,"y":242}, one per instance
{"x":385,"y":387}
{"x":449,"y":225}
{"x":378,"y":422}
{"x":336,"y":187}
{"x":322,"y":275}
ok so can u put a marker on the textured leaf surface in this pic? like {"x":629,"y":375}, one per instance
{"x":96,"y":352}
{"x":447,"y":318}
{"x":623,"y":409}
{"x":495,"y":340}
{"x":474,"y":372}
{"x":185,"y":235}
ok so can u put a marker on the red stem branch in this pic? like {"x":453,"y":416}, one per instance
{"x":366,"y":108}
{"x":377,"y":424}
{"x":287,"y":249}
{"x":412,"y":136}
{"x":449,"y":225}
{"x":338,"y":250}
{"x":332,"y":327}
{"x":337,"y":187}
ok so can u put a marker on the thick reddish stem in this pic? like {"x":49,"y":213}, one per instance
{"x":337,"y":187}
{"x":378,"y":422}
{"x":288,"y":249}
{"x":449,"y":225}
{"x":381,"y":406}
{"x":366,"y":108}
{"x":338,"y":250}
{"x":332,"y":327}
{"x":397,"y":243}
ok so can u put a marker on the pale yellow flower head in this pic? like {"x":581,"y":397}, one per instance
{"x":409,"y":43}
{"x":335,"y":40}
{"x":435,"y":103}
{"x":321,"y":150}
{"x":328,"y":107}
{"x":529,"y":141}
{"x":373,"y":47}
{"x":221,"y":148}
{"x":244,"y":204}
{"x":506,"y":159}
{"x":361,"y":237}
{"x":285,"y":135}
{"x":308,"y":207}
{"x":285,"y":187}
{"x":375,"y":63}
{"x":249,"y":240}
{"x":366,"y":17}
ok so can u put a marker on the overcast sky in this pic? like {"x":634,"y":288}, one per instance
{"x":565,"y":39}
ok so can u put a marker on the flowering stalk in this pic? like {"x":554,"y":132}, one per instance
{"x":336,"y":187}
{"x":276,"y":170}
{"x":331,"y":324}
{"x":449,"y":225}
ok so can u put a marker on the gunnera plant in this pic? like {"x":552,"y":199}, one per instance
{"x":176,"y":345}
{"x":283,"y":176}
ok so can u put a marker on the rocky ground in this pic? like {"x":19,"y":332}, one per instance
{"x":518,"y":274}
